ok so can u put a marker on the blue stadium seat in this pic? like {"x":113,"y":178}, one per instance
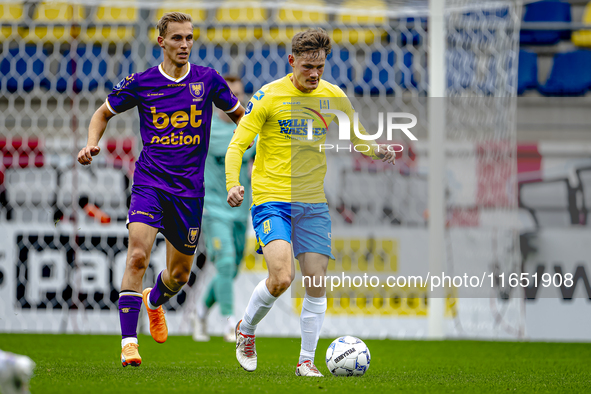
{"x":255,"y":72}
{"x":412,"y":37}
{"x":545,"y":11}
{"x":339,"y":73}
{"x":460,"y":69}
{"x":156,"y":58}
{"x":212,"y":56}
{"x":87,"y":69}
{"x":26,"y":65}
{"x":380,"y":79}
{"x":124,"y":68}
{"x":570,"y":74}
{"x":207,"y":55}
{"x":527,"y":74}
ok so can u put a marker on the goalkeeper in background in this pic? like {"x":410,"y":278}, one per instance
{"x":224,"y":228}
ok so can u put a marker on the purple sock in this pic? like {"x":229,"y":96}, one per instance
{"x":130,"y":303}
{"x":160,"y":293}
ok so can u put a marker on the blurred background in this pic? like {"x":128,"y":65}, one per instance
{"x":517,"y":170}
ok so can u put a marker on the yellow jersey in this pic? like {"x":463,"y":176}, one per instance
{"x":290,"y":165}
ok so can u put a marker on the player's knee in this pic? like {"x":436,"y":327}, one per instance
{"x":180,"y":275}
{"x":137,"y":260}
{"x":279,"y":283}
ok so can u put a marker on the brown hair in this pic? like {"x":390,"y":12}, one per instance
{"x":171,"y":17}
{"x":311,"y":40}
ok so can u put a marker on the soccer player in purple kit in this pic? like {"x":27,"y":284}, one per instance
{"x":174,"y":102}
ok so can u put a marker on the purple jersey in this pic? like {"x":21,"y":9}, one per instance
{"x":175,"y":122}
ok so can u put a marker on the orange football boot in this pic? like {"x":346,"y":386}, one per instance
{"x":158,"y":327}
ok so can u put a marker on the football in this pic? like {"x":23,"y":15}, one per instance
{"x":347,"y":356}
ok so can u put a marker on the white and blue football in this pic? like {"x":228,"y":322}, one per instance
{"x":347,"y":356}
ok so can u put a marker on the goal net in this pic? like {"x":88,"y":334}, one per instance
{"x":62,"y":235}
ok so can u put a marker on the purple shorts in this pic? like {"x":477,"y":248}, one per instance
{"x":177,"y":218}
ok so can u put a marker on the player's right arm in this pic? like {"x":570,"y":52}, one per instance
{"x":248,"y":128}
{"x":122,"y":98}
{"x":98,"y":124}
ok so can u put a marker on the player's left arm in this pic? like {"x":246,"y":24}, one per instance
{"x":224,"y":99}
{"x":237,"y":114}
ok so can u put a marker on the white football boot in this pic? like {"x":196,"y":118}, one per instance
{"x":15,"y":373}
{"x":307,"y":368}
{"x":246,"y":352}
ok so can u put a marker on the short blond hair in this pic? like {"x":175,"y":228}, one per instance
{"x":171,"y":17}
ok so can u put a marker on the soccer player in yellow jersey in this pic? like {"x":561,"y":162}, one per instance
{"x":289,"y":205}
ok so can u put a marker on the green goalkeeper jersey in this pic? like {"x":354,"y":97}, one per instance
{"x":215,"y":173}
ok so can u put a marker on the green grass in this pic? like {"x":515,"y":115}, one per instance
{"x":90,"y":364}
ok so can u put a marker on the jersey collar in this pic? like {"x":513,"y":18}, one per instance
{"x":165,"y":75}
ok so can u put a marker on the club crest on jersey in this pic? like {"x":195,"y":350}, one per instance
{"x":193,"y":233}
{"x":197,"y":89}
{"x":266,"y":226}
{"x":124,"y":82}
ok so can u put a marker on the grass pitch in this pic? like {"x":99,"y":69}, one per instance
{"x":90,"y":364}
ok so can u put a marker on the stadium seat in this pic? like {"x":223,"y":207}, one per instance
{"x":112,"y":23}
{"x":551,"y":202}
{"x":198,"y":15}
{"x":338,"y":68}
{"x":52,"y":21}
{"x":123,"y":68}
{"x":22,"y":69}
{"x":10,"y":13}
{"x":85,"y":71}
{"x":356,"y":16}
{"x":103,"y":187}
{"x":22,"y":153}
{"x":294,"y":12}
{"x":545,"y":11}
{"x":378,"y":76}
{"x":582,"y":38}
{"x":212,"y":56}
{"x":31,"y":193}
{"x":465,"y":73}
{"x":264,"y":65}
{"x":209,"y":55}
{"x":408,"y":34}
{"x":527,"y":74}
{"x":570,"y":74}
{"x":120,"y":154}
{"x":460,"y":69}
{"x":238,"y":24}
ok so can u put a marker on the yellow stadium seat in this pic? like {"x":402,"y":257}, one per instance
{"x":251,"y":14}
{"x":302,"y":12}
{"x":295,"y":12}
{"x":198,"y":14}
{"x":59,"y":21}
{"x":582,"y":38}
{"x":9,"y":12}
{"x":113,"y":23}
{"x":356,"y":14}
